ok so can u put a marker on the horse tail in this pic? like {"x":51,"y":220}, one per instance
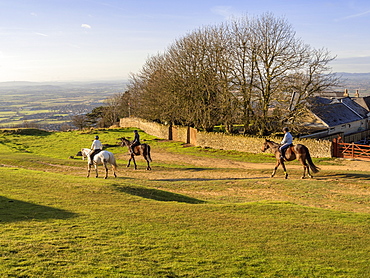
{"x":150,"y":158}
{"x":113,"y":162}
{"x":313,"y":167}
{"x":114,"y":166}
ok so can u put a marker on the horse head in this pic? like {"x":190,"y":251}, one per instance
{"x":85,"y":152}
{"x":124,"y":142}
{"x":266,"y":145}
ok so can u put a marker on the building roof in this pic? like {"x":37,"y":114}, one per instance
{"x":363,"y":101}
{"x":353,"y":105}
{"x":335,"y":112}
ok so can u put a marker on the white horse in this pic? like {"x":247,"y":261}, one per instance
{"x":85,"y":153}
{"x":103,"y":158}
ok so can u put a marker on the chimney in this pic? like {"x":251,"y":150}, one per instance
{"x":357,"y":94}
{"x":345,"y":93}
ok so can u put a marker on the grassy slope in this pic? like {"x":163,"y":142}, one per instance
{"x":56,"y":223}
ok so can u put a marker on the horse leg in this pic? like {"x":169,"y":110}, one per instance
{"x":133,"y":160}
{"x":132,"y":157}
{"x":106,"y":170}
{"x":129,"y":161}
{"x":147,"y":161}
{"x":276,"y":166}
{"x":96,"y":170}
{"x":285,"y":172}
{"x":114,"y":172}
{"x":304,"y":168}
{"x":88,"y":170}
{"x":308,"y":170}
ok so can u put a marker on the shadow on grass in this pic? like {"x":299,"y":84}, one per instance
{"x":27,"y":131}
{"x":156,"y":194}
{"x":14,"y":210}
{"x":198,"y":169}
{"x":191,"y":169}
{"x":349,"y":176}
{"x":206,"y":179}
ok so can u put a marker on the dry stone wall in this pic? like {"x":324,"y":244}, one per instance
{"x":152,"y":128}
{"x":250,"y":144}
{"x":253,"y":144}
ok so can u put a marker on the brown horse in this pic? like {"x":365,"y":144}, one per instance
{"x":142,"y":149}
{"x":299,"y":152}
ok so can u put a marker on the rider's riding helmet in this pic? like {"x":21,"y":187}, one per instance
{"x":96,"y":137}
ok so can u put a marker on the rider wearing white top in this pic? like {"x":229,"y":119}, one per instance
{"x":96,"y":147}
{"x":286,"y":142}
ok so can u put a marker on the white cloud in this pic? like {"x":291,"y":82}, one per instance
{"x":41,"y":34}
{"x":86,"y":26}
{"x":355,"y":15}
{"x":225,"y":11}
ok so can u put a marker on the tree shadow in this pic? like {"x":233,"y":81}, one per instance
{"x":208,"y":179}
{"x":198,"y":169}
{"x":12,"y":210}
{"x":348,"y":176}
{"x":27,"y":131}
{"x":156,"y":194}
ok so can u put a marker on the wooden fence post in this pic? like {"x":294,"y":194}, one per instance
{"x":335,"y":147}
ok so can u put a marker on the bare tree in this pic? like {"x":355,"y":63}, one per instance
{"x":79,"y":121}
{"x":152,"y":91}
{"x":241,"y":72}
{"x":243,"y":57}
{"x":192,"y":62}
{"x":279,"y":54}
{"x":189,"y":84}
{"x":312,"y":79}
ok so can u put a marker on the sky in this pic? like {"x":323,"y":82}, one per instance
{"x":95,"y":40}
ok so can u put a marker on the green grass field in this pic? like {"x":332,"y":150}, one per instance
{"x":194,"y":215}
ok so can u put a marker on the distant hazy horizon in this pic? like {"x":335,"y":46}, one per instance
{"x":352,"y":75}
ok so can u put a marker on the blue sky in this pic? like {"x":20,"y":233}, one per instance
{"x":77,"y":40}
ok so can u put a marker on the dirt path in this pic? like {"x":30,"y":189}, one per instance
{"x":161,"y":156}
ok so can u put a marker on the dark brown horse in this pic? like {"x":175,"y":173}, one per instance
{"x":142,"y":149}
{"x":299,"y":152}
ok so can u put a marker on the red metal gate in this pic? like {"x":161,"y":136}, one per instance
{"x":350,"y":150}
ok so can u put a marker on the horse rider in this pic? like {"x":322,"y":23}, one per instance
{"x":96,"y":147}
{"x":286,"y":142}
{"x":135,"y":142}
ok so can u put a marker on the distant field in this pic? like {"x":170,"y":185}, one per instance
{"x":41,"y":103}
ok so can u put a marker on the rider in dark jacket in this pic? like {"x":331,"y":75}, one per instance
{"x":135,"y":142}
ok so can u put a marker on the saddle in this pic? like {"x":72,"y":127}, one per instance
{"x":133,"y":147}
{"x":94,"y":153}
{"x":286,"y":151}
